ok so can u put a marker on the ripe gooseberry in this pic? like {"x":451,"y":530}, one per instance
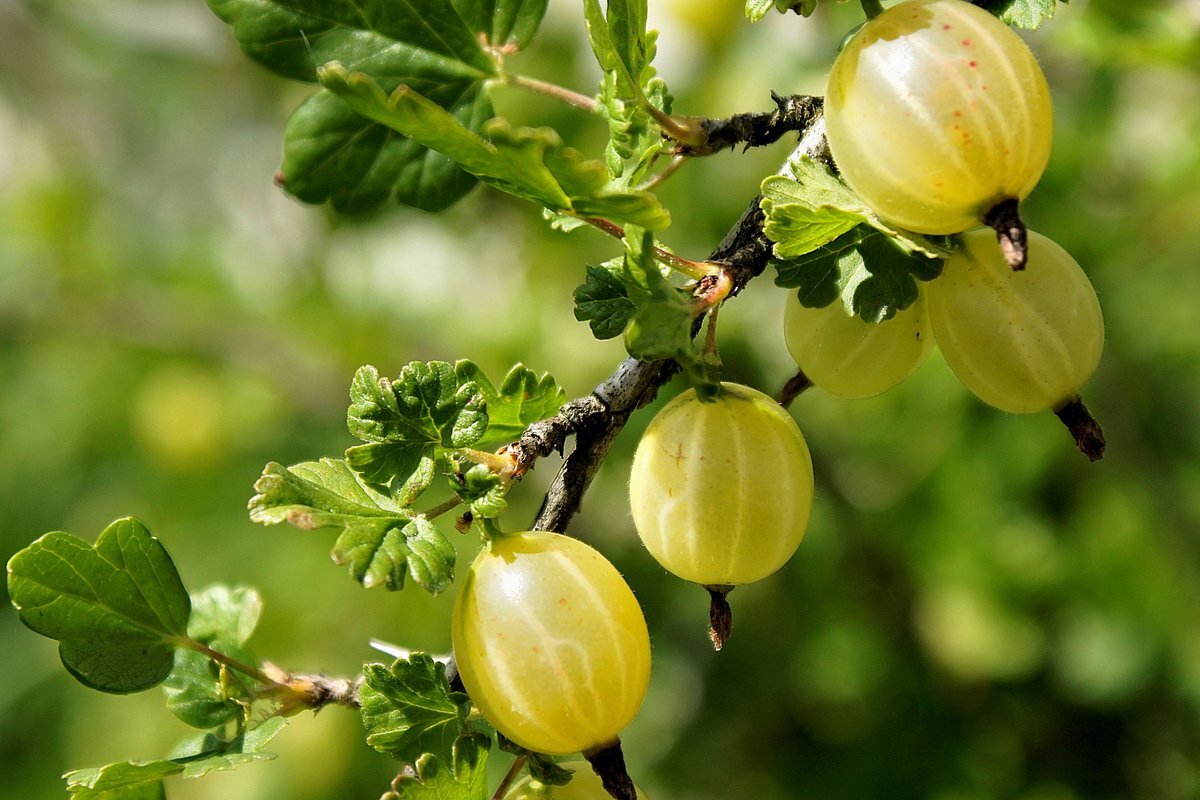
{"x":550,"y":643}
{"x":936,"y":114}
{"x":1020,"y":341}
{"x":851,"y":358}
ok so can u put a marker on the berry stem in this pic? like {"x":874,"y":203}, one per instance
{"x":795,"y":386}
{"x":1005,"y":219}
{"x":609,"y":764}
{"x":720,"y":615}
{"x":1089,"y":436}
{"x":513,"y":770}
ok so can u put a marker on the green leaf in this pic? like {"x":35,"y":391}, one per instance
{"x":1022,"y":13}
{"x":408,"y":709}
{"x":524,"y":397}
{"x":380,"y":538}
{"x":807,"y":206}
{"x":466,"y":779}
{"x":331,"y":153}
{"x":542,"y":768}
{"x":798,"y":229}
{"x":757,"y":9}
{"x":423,"y":41}
{"x":151,"y":790}
{"x":199,"y":691}
{"x":865,"y":268}
{"x":533,"y":164}
{"x":200,"y":756}
{"x":661,"y":327}
{"x":602,"y":300}
{"x":618,"y":41}
{"x":407,"y":420}
{"x":483,"y":490}
{"x":118,"y":609}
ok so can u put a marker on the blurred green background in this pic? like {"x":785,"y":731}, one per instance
{"x":977,"y":611}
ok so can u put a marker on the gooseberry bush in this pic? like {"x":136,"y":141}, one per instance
{"x":936,"y":122}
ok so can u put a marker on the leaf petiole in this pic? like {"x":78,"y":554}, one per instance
{"x":229,"y":661}
{"x":697,"y":270}
{"x":551,"y":90}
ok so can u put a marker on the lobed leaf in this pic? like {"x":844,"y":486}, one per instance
{"x":757,"y":9}
{"x":533,"y":164}
{"x":522,"y":398}
{"x":865,"y":268}
{"x":806,"y":206}
{"x":1028,"y":14}
{"x":408,"y":708}
{"x":484,"y":491}
{"x":465,"y":779}
{"x":661,"y":325}
{"x":603,"y":302}
{"x":380,"y":538}
{"x":198,"y":757}
{"x":407,"y":420}
{"x":118,"y":609}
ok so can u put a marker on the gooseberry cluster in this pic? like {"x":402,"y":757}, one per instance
{"x":938,"y":116}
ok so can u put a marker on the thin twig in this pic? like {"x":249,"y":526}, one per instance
{"x":513,"y":770}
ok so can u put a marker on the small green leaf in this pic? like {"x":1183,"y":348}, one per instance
{"x":798,"y":229}
{"x":466,"y":779}
{"x":408,"y":709}
{"x":151,"y":790}
{"x":379,"y":538}
{"x":757,"y":9}
{"x":198,"y":757}
{"x":661,"y":327}
{"x":199,"y":691}
{"x":874,"y":277}
{"x":484,"y":491}
{"x":524,"y":397}
{"x":410,"y":418}
{"x":542,"y":768}
{"x":602,"y":300}
{"x":118,"y":609}
{"x":1028,"y":14}
{"x":533,"y":164}
{"x":807,"y":206}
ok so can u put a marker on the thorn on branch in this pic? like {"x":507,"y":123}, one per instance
{"x":1089,"y":436}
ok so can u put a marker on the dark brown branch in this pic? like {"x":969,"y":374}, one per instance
{"x":597,"y":419}
{"x":792,"y":114}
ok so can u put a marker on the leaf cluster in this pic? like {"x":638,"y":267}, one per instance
{"x":829,"y":244}
{"x":412,"y":428}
